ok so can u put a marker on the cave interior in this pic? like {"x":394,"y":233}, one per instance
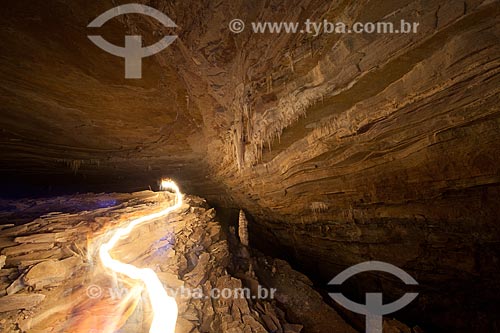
{"x":299,"y":155}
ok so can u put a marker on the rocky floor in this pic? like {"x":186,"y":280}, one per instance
{"x":52,"y":281}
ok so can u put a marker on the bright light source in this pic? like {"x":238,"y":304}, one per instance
{"x":164,"y":307}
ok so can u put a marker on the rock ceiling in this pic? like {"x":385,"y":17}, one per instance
{"x":341,"y":147}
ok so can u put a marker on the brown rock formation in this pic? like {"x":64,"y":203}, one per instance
{"x":342,"y":147}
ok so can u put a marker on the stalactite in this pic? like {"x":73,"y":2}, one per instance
{"x":319,"y":207}
{"x":238,"y":128}
{"x":75,"y":165}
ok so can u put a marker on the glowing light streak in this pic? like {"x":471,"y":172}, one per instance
{"x":164,"y":307}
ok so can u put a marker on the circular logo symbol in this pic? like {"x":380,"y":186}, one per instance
{"x":236,"y":26}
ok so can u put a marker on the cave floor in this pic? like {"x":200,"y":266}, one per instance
{"x":51,"y":278}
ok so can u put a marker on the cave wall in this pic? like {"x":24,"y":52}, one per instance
{"x":350,"y":148}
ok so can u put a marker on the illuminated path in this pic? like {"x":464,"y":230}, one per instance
{"x":164,"y":307}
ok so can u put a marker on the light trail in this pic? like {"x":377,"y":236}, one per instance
{"x":164,"y":307}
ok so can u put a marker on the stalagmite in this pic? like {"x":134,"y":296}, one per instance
{"x":243,"y":228}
